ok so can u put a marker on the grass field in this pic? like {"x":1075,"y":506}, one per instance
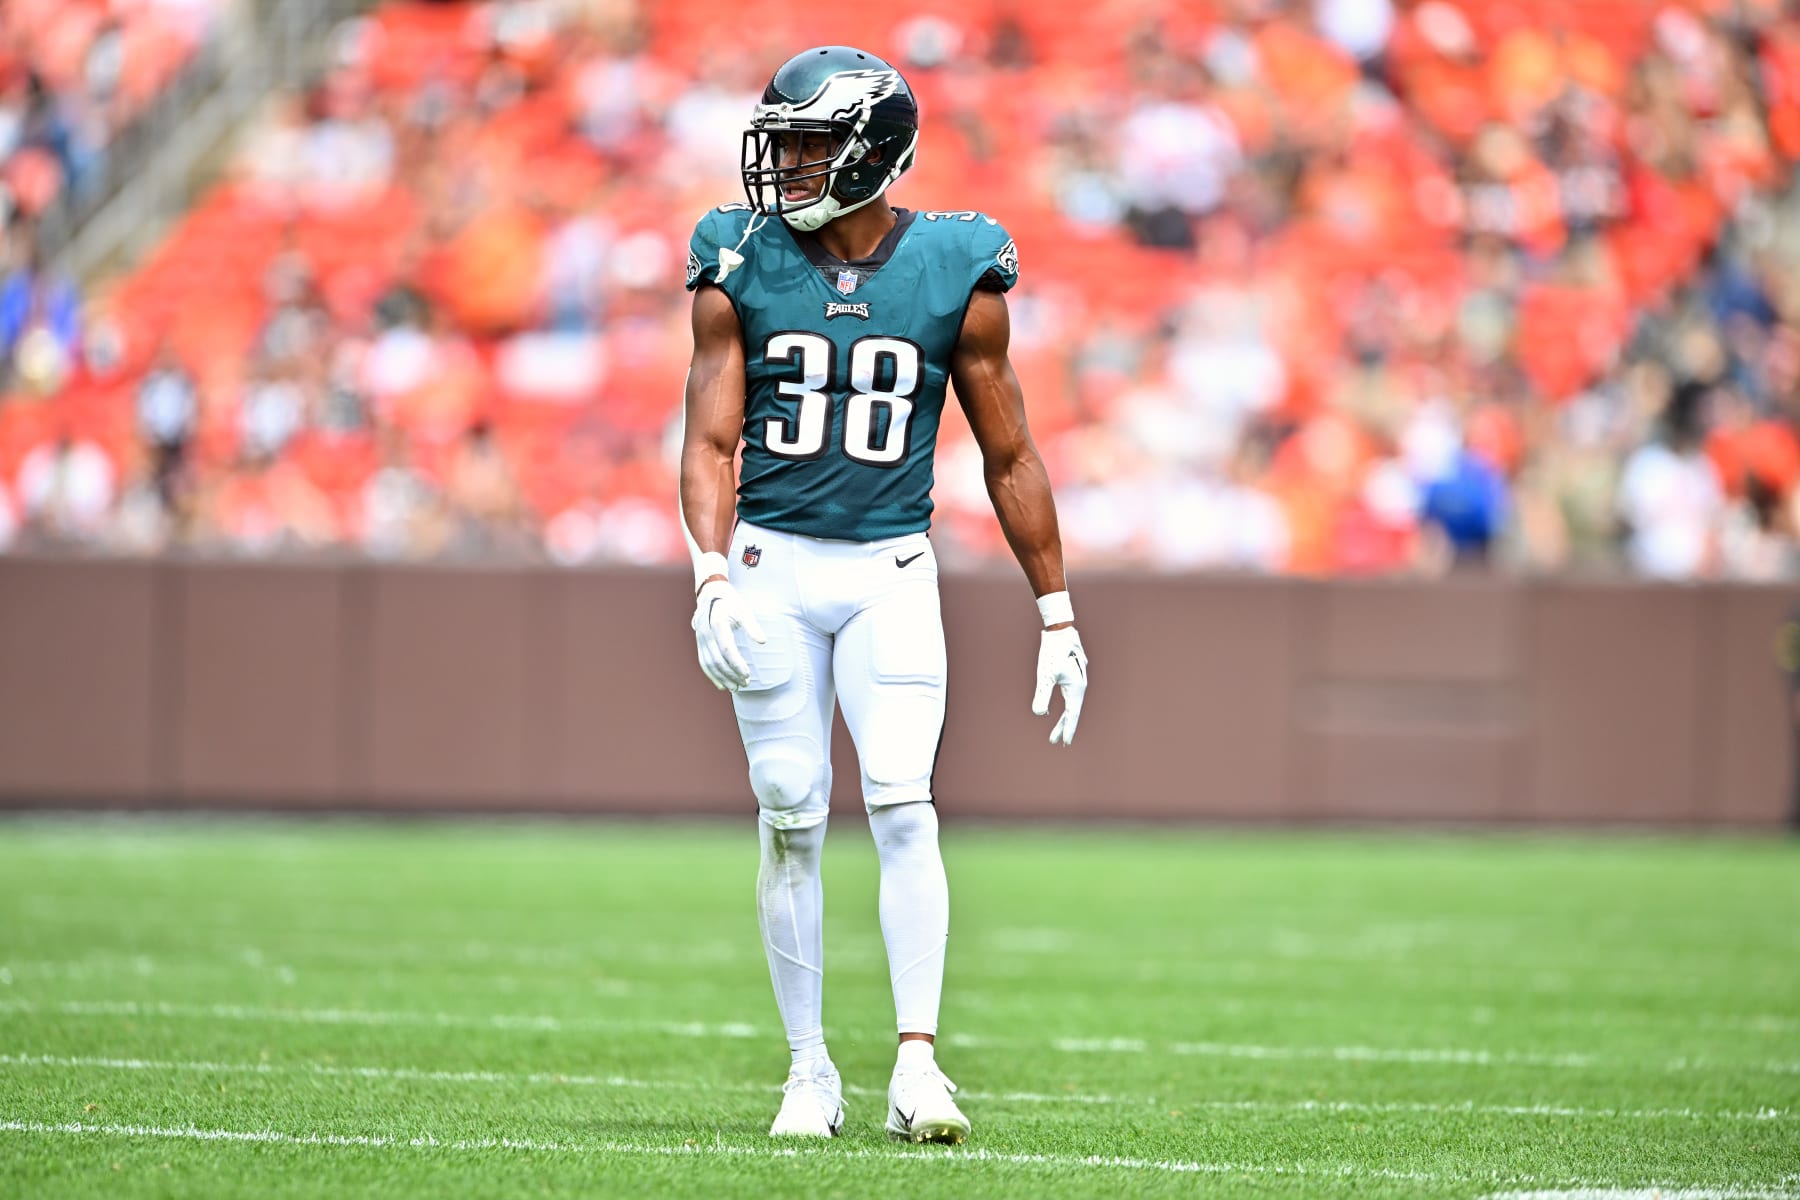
{"x":475,"y":1009}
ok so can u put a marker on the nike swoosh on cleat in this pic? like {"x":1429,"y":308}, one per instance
{"x":901,"y":562}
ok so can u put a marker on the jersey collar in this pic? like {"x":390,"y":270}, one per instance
{"x":830,"y":264}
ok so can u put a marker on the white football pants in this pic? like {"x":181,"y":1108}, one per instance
{"x":857,"y":622}
{"x":851,"y":622}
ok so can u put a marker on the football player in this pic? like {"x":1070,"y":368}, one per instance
{"x":826,"y":325}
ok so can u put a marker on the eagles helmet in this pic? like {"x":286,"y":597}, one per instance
{"x":864,"y":107}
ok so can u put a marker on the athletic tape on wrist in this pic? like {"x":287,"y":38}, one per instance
{"x":709,"y":564}
{"x":1055,"y":608}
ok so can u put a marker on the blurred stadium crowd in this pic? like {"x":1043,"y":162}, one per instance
{"x":1310,"y":286}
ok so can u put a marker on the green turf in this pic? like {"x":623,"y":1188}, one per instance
{"x":330,"y":1009}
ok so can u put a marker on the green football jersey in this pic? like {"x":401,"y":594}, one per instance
{"x":846,"y":363}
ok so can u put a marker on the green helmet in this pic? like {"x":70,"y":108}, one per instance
{"x":865,"y":108}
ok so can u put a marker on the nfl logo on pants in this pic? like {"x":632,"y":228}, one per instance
{"x":752,"y":555}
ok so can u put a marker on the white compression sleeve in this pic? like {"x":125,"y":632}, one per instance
{"x":915,"y":910}
{"x":790,"y":909}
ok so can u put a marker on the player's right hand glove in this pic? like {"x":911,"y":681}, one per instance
{"x":1062,"y":663}
{"x":719,"y":612}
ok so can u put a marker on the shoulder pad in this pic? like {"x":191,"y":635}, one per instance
{"x":992,"y":257}
{"x":716,"y":234}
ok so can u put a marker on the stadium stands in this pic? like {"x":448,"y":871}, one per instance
{"x":1333,"y":287}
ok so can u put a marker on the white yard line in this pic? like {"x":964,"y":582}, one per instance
{"x":1450,"y":1056}
{"x":943,"y":1157}
{"x":327,"y":1070}
{"x":1471,"y":1108}
{"x":1206,"y":963}
{"x":250,"y":963}
{"x":701,"y":1150}
{"x":1650,"y":1193}
{"x":585,"y":975}
{"x":352,"y":1016}
{"x":1478,"y":1058}
{"x":574,"y":1079}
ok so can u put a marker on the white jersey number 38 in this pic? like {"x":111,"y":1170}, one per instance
{"x":885,"y":374}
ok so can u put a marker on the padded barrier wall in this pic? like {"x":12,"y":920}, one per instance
{"x":196,"y":684}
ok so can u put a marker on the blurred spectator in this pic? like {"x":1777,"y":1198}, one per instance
{"x":576,"y":260}
{"x":9,"y":521}
{"x":40,"y":324}
{"x":271,"y":411}
{"x":1360,"y":27}
{"x":483,"y":500}
{"x":1669,"y":498}
{"x":1757,"y":540}
{"x":67,"y":488}
{"x":1467,"y":506}
{"x":168,"y":415}
{"x":401,"y":514}
{"x":1177,"y":153}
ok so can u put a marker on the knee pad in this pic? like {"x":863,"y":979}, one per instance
{"x":903,"y":827}
{"x":792,"y":787}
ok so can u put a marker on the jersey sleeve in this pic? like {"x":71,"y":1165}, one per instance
{"x":995,"y":257}
{"x":720,"y":228}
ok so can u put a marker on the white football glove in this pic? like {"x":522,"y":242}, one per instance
{"x":1061,"y":663}
{"x":719,"y":612}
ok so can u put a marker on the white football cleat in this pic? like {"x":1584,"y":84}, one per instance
{"x":812,"y":1105}
{"x":920,"y":1108}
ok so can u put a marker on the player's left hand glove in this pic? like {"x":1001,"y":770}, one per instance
{"x":719,"y":612}
{"x":1062,"y":663}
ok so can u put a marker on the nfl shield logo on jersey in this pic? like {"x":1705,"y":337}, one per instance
{"x":847,"y":281}
{"x":752,"y":555}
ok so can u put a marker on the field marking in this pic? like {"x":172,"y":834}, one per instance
{"x":1470,"y":1108}
{"x":102,"y":964}
{"x":702,"y":1150}
{"x":418,"y":1074}
{"x":573,"y":1079}
{"x":1653,"y":1193}
{"x":401,"y":956}
{"x":353,"y":1016}
{"x":1215,"y":961}
{"x":1451,"y":1056}
{"x":1478,"y":1058}
{"x":1596,"y":1189}
{"x":251,"y":963}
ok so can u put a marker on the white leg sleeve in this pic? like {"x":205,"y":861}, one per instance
{"x":915,"y":910}
{"x":784,"y":715}
{"x":790,"y":909}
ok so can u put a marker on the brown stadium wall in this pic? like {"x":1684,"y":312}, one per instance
{"x":201,"y":685}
